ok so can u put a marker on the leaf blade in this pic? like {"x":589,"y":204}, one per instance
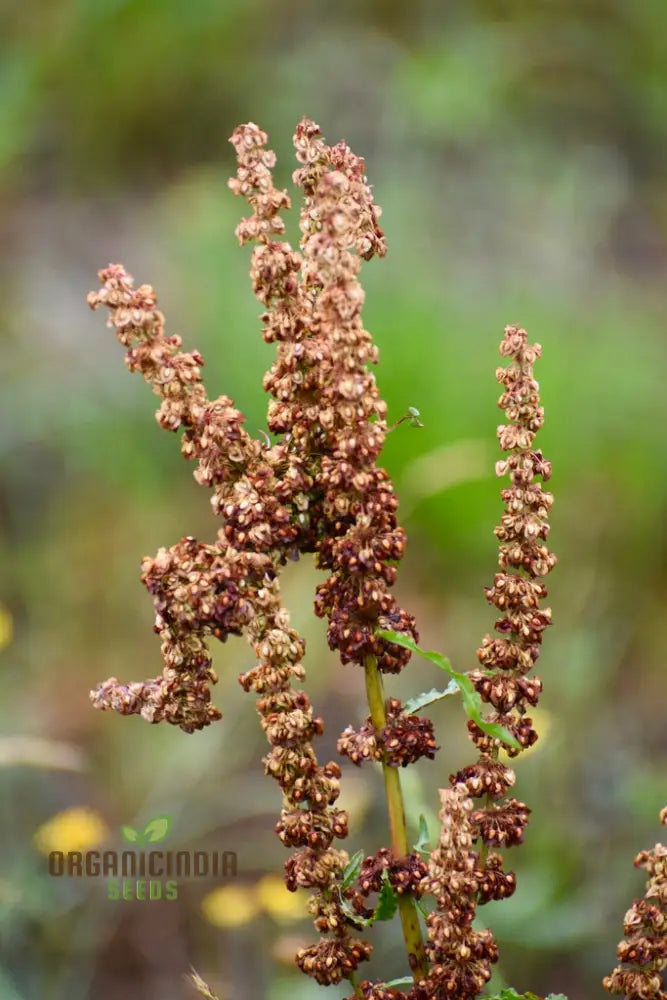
{"x":429,"y":697}
{"x":472,"y":703}
{"x":387,"y":900}
{"x":352,"y":869}
{"x":424,"y":838}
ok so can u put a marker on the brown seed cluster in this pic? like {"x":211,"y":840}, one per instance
{"x":404,"y":740}
{"x":317,"y":489}
{"x":461,"y":956}
{"x":523,"y":557}
{"x":331,"y":960}
{"x":303,"y":383}
{"x":377,"y":991}
{"x":358,"y":540}
{"x":404,"y":874}
{"x":507,"y":658}
{"x":196,"y":587}
{"x":229,"y":588}
{"x":325,"y":403}
{"x":643,"y":951}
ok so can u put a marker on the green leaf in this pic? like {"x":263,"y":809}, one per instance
{"x":404,"y":981}
{"x":403,"y":640}
{"x":509,"y":993}
{"x":353,"y":916}
{"x":130,"y":834}
{"x":157,"y":829}
{"x":428,"y":697}
{"x":352,"y":869}
{"x":506,"y":994}
{"x":472,"y":703}
{"x":387,"y":900}
{"x":424,"y":839}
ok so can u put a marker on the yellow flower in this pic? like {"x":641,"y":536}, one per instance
{"x":77,"y":829}
{"x":230,"y":905}
{"x":276,"y":899}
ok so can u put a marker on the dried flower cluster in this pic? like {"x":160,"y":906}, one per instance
{"x":404,"y":740}
{"x":327,"y":410}
{"x":644,"y":947}
{"x":317,"y":489}
{"x":461,"y":956}
{"x":516,"y":592}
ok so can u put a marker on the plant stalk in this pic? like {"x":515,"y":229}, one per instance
{"x":399,"y":834}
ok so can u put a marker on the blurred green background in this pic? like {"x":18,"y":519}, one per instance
{"x":517,"y":149}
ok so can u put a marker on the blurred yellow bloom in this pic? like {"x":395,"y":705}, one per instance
{"x":230,"y":905}
{"x":6,"y":627}
{"x":276,"y":899}
{"x":77,"y":829}
{"x":542,"y":722}
{"x":234,"y":905}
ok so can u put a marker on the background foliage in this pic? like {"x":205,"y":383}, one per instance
{"x":517,"y":151}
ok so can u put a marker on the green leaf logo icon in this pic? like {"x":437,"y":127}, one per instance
{"x":156,"y":829}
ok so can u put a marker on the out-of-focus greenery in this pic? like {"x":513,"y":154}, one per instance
{"x":517,"y":151}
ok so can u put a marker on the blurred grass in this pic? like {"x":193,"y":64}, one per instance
{"x":516,"y":150}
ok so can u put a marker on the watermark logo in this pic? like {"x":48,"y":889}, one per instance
{"x":154,"y":831}
{"x":142,"y":872}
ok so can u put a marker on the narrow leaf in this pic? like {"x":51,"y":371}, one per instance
{"x":424,"y":839}
{"x":403,"y":640}
{"x":428,"y":697}
{"x":352,"y":869}
{"x":404,"y":981}
{"x":472,"y":703}
{"x":157,"y":829}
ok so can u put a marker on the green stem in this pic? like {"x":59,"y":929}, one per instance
{"x":354,"y":982}
{"x":399,"y":834}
